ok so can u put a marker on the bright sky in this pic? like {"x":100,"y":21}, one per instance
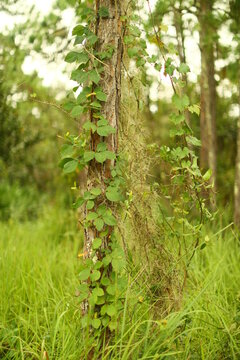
{"x":54,"y":75}
{"x":50,"y":74}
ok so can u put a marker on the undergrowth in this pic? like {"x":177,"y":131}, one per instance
{"x":40,"y":312}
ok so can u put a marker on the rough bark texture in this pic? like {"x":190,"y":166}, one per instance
{"x":237,"y":174}
{"x":109,"y":31}
{"x":208,"y":94}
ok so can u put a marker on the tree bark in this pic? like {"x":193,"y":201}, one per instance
{"x":109,"y":31}
{"x":237,"y":172}
{"x":208,"y":157}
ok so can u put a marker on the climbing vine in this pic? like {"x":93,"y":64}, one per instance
{"x":102,"y":278}
{"x":102,"y":286}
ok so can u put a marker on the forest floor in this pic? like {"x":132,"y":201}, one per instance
{"x":40,"y":315}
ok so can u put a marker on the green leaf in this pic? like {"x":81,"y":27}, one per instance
{"x":207,"y":175}
{"x":71,"y":57}
{"x":98,"y":265}
{"x":96,"y":323}
{"x":181,"y":103}
{"x":80,"y":201}
{"x":98,"y":291}
{"x":134,"y":30}
{"x":97,"y":242}
{"x":183,"y":68}
{"x":90,"y":126}
{"x":100,"y":300}
{"x":102,"y":122}
{"x":95,"y":275}
{"x":92,"y":299}
{"x":82,"y":57}
{"x":94,"y":76}
{"x":79,"y":30}
{"x":194,"y":109}
{"x":193,"y":140}
{"x":84,"y":274}
{"x":177,"y":132}
{"x":101,"y":96}
{"x":92,"y":39}
{"x":95,"y":191}
{"x":111,"y":310}
{"x":109,"y":219}
{"x":100,"y":157}
{"x":70,"y":166}
{"x":133,"y":51}
{"x":111,"y":289}
{"x":179,"y":153}
{"x":67,"y":151}
{"x":88,"y":196}
{"x":99,"y":224}
{"x":91,"y":216}
{"x":88,"y":155}
{"x":102,"y":209}
{"x":177,"y":119}
{"x":140,"y":62}
{"x":79,"y":40}
{"x":106,"y":260}
{"x":169,"y":67}
{"x":82,"y":97}
{"x":68,"y":105}
{"x":79,"y":75}
{"x":203,"y":246}
{"x":101,"y":146}
{"x":96,"y":105}
{"x":110,"y":155}
{"x":105,"y":281}
{"x":128,"y":39}
{"x":77,"y":110}
{"x":105,"y":130}
{"x":82,"y":297}
{"x":105,"y":320}
{"x":90,"y":205}
{"x":113,"y":194}
{"x":103,"y":12}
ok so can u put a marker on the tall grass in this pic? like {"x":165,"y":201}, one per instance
{"x":40,"y":314}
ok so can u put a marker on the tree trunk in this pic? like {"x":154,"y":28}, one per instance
{"x":237,"y":173}
{"x":208,"y":158}
{"x":179,"y":26}
{"x":109,"y":31}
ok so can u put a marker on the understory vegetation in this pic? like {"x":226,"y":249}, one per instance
{"x":40,"y":308}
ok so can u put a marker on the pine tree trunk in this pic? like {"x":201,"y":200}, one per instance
{"x":208,"y":158}
{"x":109,"y":31}
{"x":237,"y":173}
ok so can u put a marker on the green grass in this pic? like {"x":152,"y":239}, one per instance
{"x":40,"y":314}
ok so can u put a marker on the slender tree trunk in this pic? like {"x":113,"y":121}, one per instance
{"x":179,"y":26}
{"x":237,"y":172}
{"x":208,"y":158}
{"x":109,"y":31}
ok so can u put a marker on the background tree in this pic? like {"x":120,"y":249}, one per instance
{"x":207,"y":30}
{"x":235,"y":67}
